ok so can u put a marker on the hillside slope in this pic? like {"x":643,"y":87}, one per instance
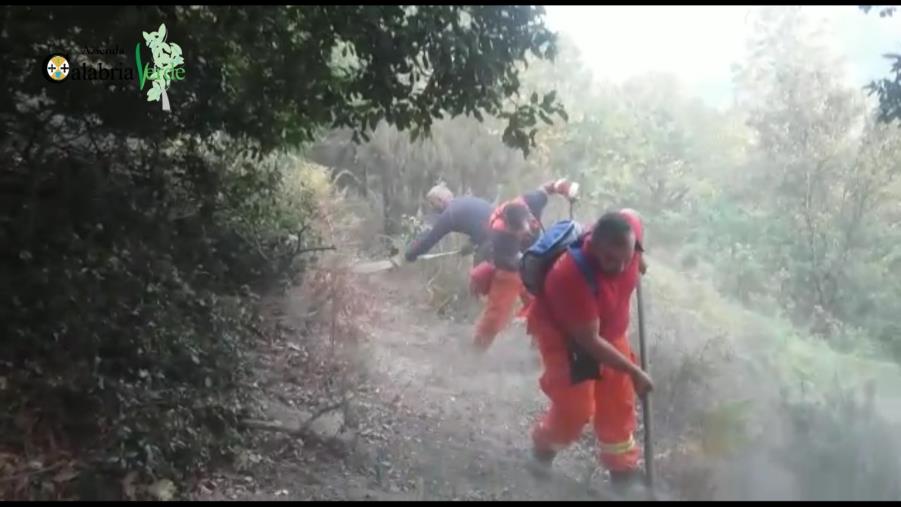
{"x":429,"y":420}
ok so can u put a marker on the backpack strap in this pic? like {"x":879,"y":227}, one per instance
{"x":584,"y":266}
{"x":581,"y":366}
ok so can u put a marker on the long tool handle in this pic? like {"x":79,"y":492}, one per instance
{"x":438,"y":255}
{"x":645,"y":399}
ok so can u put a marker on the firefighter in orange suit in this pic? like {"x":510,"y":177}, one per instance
{"x":513,"y":227}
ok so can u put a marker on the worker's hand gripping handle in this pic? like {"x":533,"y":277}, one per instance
{"x":572,"y":193}
{"x":572,"y":196}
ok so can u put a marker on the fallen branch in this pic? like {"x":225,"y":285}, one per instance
{"x":272,"y":426}
{"x":324,"y":410}
{"x":294,"y":431}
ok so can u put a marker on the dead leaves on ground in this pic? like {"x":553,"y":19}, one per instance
{"x":163,"y":490}
{"x":35,"y":479}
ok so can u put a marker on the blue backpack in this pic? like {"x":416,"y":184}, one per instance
{"x":533,"y":268}
{"x":540,"y":257}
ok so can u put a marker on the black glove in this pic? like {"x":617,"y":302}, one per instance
{"x":582,"y":366}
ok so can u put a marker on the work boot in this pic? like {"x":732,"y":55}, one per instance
{"x":629,"y":484}
{"x":541,"y":463}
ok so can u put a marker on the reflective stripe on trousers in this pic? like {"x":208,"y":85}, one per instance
{"x":618,"y":448}
{"x":609,"y":401}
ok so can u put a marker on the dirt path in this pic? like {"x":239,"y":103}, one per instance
{"x":430,"y":421}
{"x":461,"y":422}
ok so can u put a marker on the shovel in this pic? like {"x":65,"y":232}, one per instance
{"x":365,"y":268}
{"x":645,"y":398}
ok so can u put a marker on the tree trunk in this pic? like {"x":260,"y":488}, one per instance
{"x":165,"y":101}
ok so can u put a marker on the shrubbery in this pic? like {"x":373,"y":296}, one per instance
{"x":135,"y":239}
{"x":124,"y":336}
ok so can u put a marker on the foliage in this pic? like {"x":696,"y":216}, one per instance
{"x":884,"y":11}
{"x":787,"y":195}
{"x":841,"y":448}
{"x":471,"y":155}
{"x":144,"y":326}
{"x":394,"y":172}
{"x":821,"y":166}
{"x":887,"y":90}
{"x":723,"y":428}
{"x":136,"y":240}
{"x":285,"y":79}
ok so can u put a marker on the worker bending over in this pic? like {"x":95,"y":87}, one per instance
{"x":465,"y":215}
{"x":512,"y":227}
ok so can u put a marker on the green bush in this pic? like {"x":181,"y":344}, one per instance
{"x":125,"y":329}
{"x":840,"y":448}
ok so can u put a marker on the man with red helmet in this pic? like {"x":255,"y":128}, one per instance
{"x":580,"y":325}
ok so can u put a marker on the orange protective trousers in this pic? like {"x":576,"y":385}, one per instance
{"x":610,"y":401}
{"x":506,"y":287}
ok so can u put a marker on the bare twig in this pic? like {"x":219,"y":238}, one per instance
{"x":31,"y":473}
{"x":315,"y":249}
{"x":349,"y":174}
{"x":295,"y":431}
{"x":255,"y":245}
{"x":324,"y":410}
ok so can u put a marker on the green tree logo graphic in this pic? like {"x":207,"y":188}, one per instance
{"x":167,"y":57}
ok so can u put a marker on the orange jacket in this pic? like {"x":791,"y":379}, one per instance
{"x":507,"y":244}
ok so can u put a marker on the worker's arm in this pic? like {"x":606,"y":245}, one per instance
{"x":536,"y":201}
{"x":574,"y":306}
{"x":428,"y":239}
{"x":586,"y":336}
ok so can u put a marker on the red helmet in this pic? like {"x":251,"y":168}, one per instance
{"x":634,"y":220}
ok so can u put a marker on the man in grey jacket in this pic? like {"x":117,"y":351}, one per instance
{"x":465,"y":215}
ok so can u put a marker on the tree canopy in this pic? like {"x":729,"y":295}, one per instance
{"x":888,"y":90}
{"x":277,"y":74}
